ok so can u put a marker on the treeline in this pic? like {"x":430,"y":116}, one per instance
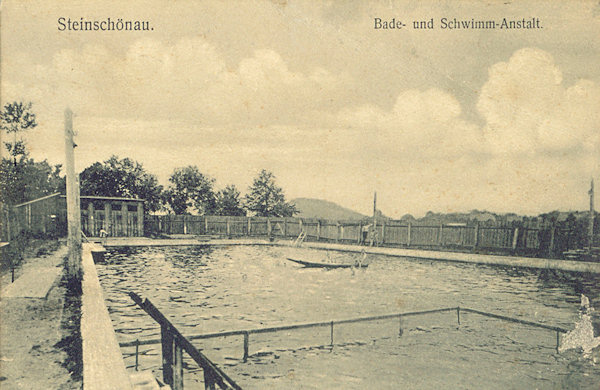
{"x":189,"y":191}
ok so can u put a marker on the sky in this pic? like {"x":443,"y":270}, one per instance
{"x":431,"y":119}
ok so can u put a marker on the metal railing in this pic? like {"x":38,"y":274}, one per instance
{"x":331,"y":324}
{"x":173,"y":345}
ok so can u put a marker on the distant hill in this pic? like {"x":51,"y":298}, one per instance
{"x":318,"y":208}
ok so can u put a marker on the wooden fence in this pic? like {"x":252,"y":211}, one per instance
{"x":46,"y":216}
{"x":542,"y":240}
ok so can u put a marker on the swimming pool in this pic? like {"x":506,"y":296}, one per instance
{"x":206,"y":289}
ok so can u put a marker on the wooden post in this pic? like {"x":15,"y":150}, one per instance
{"x":400,"y":330}
{"x":205,"y":224}
{"x":108,"y":218}
{"x":249,"y":225}
{"x":8,"y":225}
{"x":515,"y":236}
{"x":228,"y":224}
{"x":440,"y":235}
{"x":331,"y":333}
{"x":337,"y":233}
{"x":551,"y":246}
{"x":137,"y":352}
{"x":383,"y":232}
{"x":409,"y":228}
{"x":269,"y":227}
{"x":246,"y":346}
{"x":209,"y":382}
{"x":91,"y":227}
{"x":318,"y":230}
{"x":185,"y":224}
{"x":177,"y":367}
{"x":167,"y":354}
{"x":140,"y":218}
{"x":124,"y":219}
{"x":300,"y":224}
{"x":73,"y":207}
{"x":284,"y":227}
{"x":476,"y":235}
{"x":359,"y":232}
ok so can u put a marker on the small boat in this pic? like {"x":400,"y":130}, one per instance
{"x":316,"y":264}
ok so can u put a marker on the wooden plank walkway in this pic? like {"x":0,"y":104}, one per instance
{"x":37,"y":278}
{"x":34,"y":284}
{"x":103,"y":366}
{"x":511,"y":261}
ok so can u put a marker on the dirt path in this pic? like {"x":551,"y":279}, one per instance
{"x":32,"y":337}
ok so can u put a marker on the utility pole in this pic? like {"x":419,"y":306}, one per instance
{"x":73,"y":208}
{"x":592,"y":214}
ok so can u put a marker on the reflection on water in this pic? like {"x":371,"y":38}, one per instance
{"x":206,"y":289}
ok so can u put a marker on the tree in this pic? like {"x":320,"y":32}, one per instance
{"x":15,"y":118}
{"x":121,"y":178}
{"x":228,"y":202}
{"x":266,"y":199}
{"x":21,"y":178}
{"x":191,"y":192}
{"x":28,"y":180}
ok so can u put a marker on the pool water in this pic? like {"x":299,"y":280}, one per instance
{"x":204,"y":289}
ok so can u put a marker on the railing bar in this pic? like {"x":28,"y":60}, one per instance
{"x":292,"y":327}
{"x":347,"y":321}
{"x":194,"y":353}
{"x":511,"y":319}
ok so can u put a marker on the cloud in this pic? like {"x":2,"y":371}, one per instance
{"x":421,"y":124}
{"x":528,"y":109}
{"x":187,"y":79}
{"x":170,"y":104}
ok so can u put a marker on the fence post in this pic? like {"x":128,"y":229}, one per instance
{"x":248,"y":233}
{"x":185,"y":224}
{"x":269,"y":228}
{"x":91,"y":228}
{"x":440,"y":235}
{"x":383,"y":232}
{"x":209,"y":381}
{"x":476,"y":235}
{"x":228,"y":227}
{"x":331,"y":334}
{"x":140,"y":219}
{"x":458,"y":315}
{"x":178,"y":367}
{"x":167,"y":354}
{"x":515,"y":236}
{"x":339,"y":232}
{"x":551,"y":246}
{"x":246,"y":346}
{"x":359,"y":232}
{"x":137,"y":351}
{"x":318,"y":230}
{"x":8,"y":225}
{"x":400,"y":330}
{"x":409,"y":228}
